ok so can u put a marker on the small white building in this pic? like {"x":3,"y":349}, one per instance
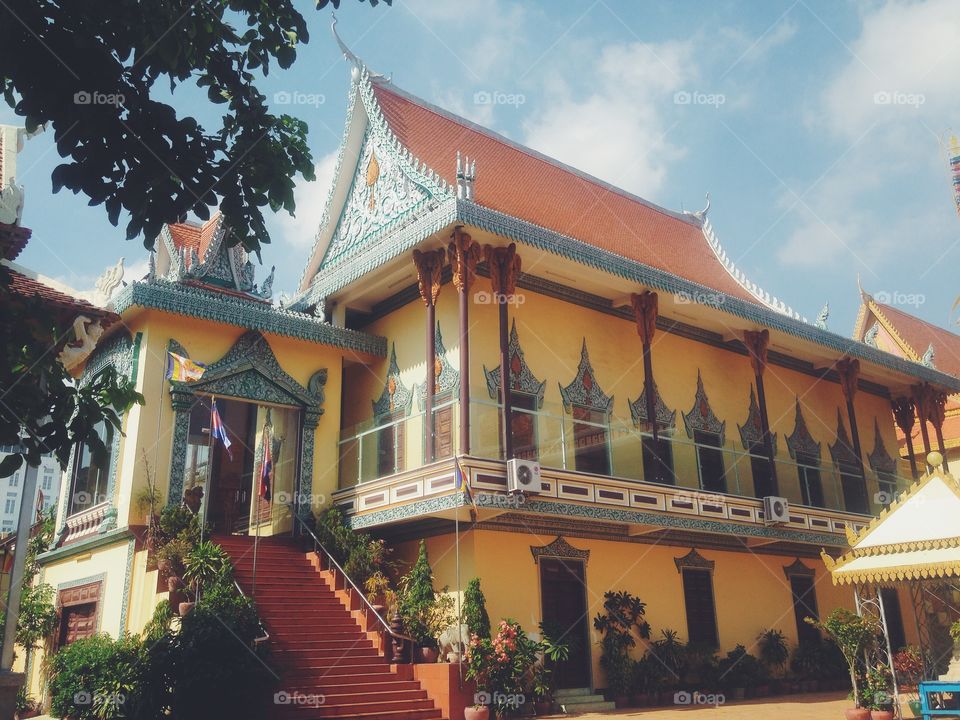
{"x":11,"y":490}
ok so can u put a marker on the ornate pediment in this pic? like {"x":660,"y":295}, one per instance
{"x":446,"y":377}
{"x":559,"y":548}
{"x":521,"y":377}
{"x":250,"y":371}
{"x":584,"y":390}
{"x":879,"y":459}
{"x":666,"y":418}
{"x":396,"y":397}
{"x":117,"y":352}
{"x":842,"y":450}
{"x":701,"y":417}
{"x":801,"y":442}
{"x":798,"y":568}
{"x":380,"y":195}
{"x":693,"y":560}
{"x":751,"y":432}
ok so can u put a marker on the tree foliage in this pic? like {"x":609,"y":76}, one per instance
{"x":94,"y":74}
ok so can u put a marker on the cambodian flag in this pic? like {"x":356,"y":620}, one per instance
{"x":217,"y":428}
{"x":266,"y":467}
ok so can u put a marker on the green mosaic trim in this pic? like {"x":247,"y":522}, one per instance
{"x":84,"y":546}
{"x":127,"y":580}
{"x":610,"y":514}
{"x":232,"y":310}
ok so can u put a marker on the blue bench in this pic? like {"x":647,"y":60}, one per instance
{"x":938,"y":706}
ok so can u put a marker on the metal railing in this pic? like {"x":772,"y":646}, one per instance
{"x":266,"y":635}
{"x":402,"y":644}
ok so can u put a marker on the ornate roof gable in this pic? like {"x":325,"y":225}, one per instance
{"x":447,"y":378}
{"x":701,"y":417}
{"x":751,"y":432}
{"x":842,"y":449}
{"x":522,"y":378}
{"x":584,"y":390}
{"x":801,"y":442}
{"x":666,"y":418}
{"x":395,"y":396}
{"x":879,"y":459}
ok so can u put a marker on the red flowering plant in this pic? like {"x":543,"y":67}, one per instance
{"x":502,"y":668}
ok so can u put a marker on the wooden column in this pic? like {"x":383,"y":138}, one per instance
{"x":504,"y":265}
{"x":938,"y":402}
{"x":921,"y":399}
{"x":903,"y":413}
{"x":849,"y":371}
{"x":464,"y":254}
{"x":757,"y":342}
{"x":429,"y":266}
{"x":645,"y":310}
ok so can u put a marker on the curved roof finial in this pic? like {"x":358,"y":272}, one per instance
{"x":703,"y":213}
{"x":348,"y":54}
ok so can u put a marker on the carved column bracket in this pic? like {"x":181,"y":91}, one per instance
{"x":429,"y":266}
{"x":645,"y":309}
{"x":464,"y":254}
{"x":849,"y":371}
{"x":757,"y":342}
{"x":904,"y":414}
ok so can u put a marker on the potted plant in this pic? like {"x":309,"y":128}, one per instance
{"x":853,"y":635}
{"x":170,"y":560}
{"x":203,"y":564}
{"x":474,"y":612}
{"x":379,"y":593}
{"x":543,"y":684}
{"x":774,"y":653}
{"x":670,"y":660}
{"x":27,"y":706}
{"x":622,"y":618}
{"x":878,"y":693}
{"x":424,"y":612}
{"x":740,"y":670}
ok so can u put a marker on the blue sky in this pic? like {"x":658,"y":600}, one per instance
{"x":816,"y":126}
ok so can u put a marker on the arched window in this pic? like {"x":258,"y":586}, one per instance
{"x":708,"y":432}
{"x":590,"y":408}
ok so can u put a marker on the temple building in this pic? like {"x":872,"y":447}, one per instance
{"x":674,"y":430}
{"x":925,"y":421}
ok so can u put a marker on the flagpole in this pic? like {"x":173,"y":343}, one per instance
{"x":256,"y":539}
{"x":459,"y":586}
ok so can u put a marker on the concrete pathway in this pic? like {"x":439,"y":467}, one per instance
{"x":819,"y":706}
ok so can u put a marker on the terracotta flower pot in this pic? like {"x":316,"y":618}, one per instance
{"x":543,"y":707}
{"x":185,"y":608}
{"x":476,"y":713}
{"x":174,"y":583}
{"x":881,"y":715}
{"x":427,"y":655}
{"x":164,"y":566}
{"x":857,"y":714}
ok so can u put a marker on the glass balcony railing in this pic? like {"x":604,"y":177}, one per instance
{"x":616,"y":448}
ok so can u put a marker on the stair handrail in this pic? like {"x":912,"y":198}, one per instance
{"x":370,"y":609}
{"x":266,"y":636}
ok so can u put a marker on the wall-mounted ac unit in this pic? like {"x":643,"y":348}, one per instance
{"x":523,"y":476}
{"x":775,"y":510}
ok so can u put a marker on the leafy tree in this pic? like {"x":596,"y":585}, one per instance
{"x":94,"y":72}
{"x":417,"y":598}
{"x":475,"y":610}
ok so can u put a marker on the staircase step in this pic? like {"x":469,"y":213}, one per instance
{"x":317,"y":714}
{"x":600,"y":705}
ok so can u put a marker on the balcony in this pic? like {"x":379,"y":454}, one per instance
{"x":587,"y":460}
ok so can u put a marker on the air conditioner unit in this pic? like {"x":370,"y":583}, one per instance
{"x":775,"y":510}
{"x":523,"y":476}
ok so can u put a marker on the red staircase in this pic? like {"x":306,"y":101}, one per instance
{"x":329,"y":665}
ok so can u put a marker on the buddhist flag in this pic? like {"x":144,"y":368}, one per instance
{"x":217,"y":428}
{"x":266,"y":467}
{"x":183,"y":369}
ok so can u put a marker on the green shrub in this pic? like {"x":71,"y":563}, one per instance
{"x":203,"y":564}
{"x":360,"y":555}
{"x":622,"y":618}
{"x":97,"y":678}
{"x":740,"y":669}
{"x":417,"y":599}
{"x":475,"y":610}
{"x":774,"y":651}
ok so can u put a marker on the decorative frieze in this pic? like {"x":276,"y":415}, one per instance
{"x":694,"y":560}
{"x":559,"y":548}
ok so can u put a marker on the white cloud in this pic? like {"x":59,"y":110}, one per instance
{"x":300,"y":231}
{"x":616,"y":129}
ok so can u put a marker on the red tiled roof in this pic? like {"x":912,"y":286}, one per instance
{"x":920,"y":334}
{"x":28,"y":287}
{"x":521,"y":183}
{"x":13,"y":239}
{"x":195,"y":236}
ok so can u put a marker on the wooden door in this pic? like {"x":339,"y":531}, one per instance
{"x":564,"y":597}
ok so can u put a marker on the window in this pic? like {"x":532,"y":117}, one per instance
{"x":701,"y":614}
{"x":811,"y":486}
{"x":710,"y":461}
{"x":763,"y":484}
{"x":854,"y":488}
{"x":658,"y":460}
{"x":390,"y":446}
{"x":90,"y":473}
{"x":443,"y":427}
{"x":9,"y":507}
{"x":47,"y":483}
{"x":15,"y":479}
{"x":591,"y":449}
{"x":804,"y":606}
{"x":524,"y":425}
{"x":894,"y":617}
